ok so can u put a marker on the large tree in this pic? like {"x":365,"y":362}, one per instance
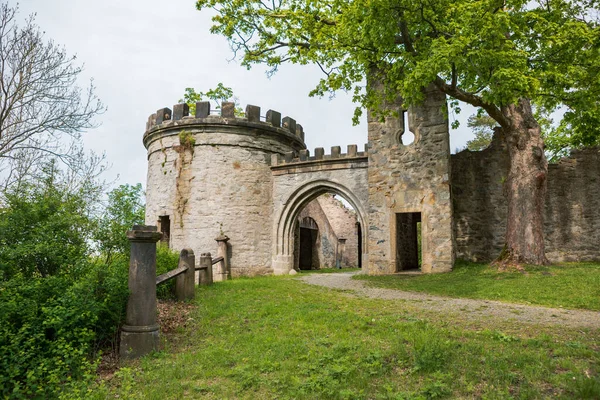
{"x":501,"y":56}
{"x":42,"y":110}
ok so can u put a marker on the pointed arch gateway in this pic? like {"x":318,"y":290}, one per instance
{"x":283,"y":259}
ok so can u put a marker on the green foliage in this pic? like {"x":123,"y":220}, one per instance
{"x":186,"y":139}
{"x":486,"y":53}
{"x":482,"y":126}
{"x":59,"y":304}
{"x":125,"y":209}
{"x":166,"y":260}
{"x":217,"y":95}
{"x":45,"y":227}
{"x":50,"y":329}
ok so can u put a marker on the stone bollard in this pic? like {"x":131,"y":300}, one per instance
{"x":185,"y":284}
{"x":224,"y":270}
{"x":205,"y":276}
{"x":340,"y":253}
{"x":139,"y":335}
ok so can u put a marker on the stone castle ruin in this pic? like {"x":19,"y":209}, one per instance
{"x":252,"y":181}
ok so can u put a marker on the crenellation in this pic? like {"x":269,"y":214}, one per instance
{"x":352,"y":150}
{"x":250,"y":179}
{"x":181,"y":114}
{"x":304,"y":155}
{"x":227,"y":109}
{"x":319,"y":153}
{"x":180,"y":111}
{"x":252,"y":113}
{"x":202,"y":109}
{"x":273,"y":118}
{"x":336,"y":151}
{"x":162,"y":115}
{"x":289,"y":123}
{"x":300,"y":132}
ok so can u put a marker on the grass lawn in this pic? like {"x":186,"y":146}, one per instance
{"x":278,"y":338}
{"x":564,"y":285}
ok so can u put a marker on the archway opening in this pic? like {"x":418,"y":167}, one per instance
{"x":327,"y":234}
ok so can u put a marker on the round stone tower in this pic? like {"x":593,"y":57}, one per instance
{"x":209,"y":176}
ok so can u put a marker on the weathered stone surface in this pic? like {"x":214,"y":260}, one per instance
{"x":407,"y":179}
{"x":304,"y":154}
{"x":273,"y":118}
{"x":319,"y":153}
{"x":289,"y":124}
{"x":202,"y":109}
{"x":334,"y":221}
{"x":252,"y":113}
{"x":163,"y":114}
{"x":139,"y":335}
{"x":296,"y":184}
{"x":180,"y":111}
{"x":227,"y":109}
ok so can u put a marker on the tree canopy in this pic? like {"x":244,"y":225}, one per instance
{"x":487,"y":53}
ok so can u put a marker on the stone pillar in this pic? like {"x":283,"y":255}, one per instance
{"x":206,"y":273}
{"x":185,"y":284}
{"x":224,"y":270}
{"x":339,"y":254}
{"x":139,"y":335}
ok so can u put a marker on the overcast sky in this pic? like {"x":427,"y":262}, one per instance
{"x":143,"y":54}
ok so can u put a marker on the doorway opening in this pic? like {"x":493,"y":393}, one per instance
{"x":327,"y":235}
{"x":309,"y":235}
{"x":165,"y":228}
{"x":408,"y":241}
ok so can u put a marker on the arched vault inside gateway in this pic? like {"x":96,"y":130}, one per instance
{"x":297,"y":200}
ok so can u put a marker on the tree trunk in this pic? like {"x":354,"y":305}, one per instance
{"x":525,"y":187}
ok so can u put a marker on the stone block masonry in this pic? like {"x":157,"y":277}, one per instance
{"x":410,"y":178}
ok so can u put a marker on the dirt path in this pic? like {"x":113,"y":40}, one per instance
{"x":477,"y":308}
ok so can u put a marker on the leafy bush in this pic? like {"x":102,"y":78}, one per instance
{"x":44,"y":228}
{"x":51,"y":328}
{"x":166,"y":260}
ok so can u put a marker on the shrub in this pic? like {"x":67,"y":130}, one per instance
{"x":52,"y":327}
{"x":166,"y":260}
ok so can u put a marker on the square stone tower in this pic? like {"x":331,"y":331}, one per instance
{"x":409,"y":187}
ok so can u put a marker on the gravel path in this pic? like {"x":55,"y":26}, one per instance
{"x":477,"y":308}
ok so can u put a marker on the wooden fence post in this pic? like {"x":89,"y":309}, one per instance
{"x":139,"y":335}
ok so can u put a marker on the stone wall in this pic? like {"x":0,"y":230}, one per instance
{"x":343,"y":220}
{"x":572,"y":217}
{"x":411,"y":178}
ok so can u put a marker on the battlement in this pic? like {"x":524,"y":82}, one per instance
{"x":304,"y":157}
{"x":165,"y":117}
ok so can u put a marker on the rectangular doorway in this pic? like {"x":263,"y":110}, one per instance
{"x":408,"y":241}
